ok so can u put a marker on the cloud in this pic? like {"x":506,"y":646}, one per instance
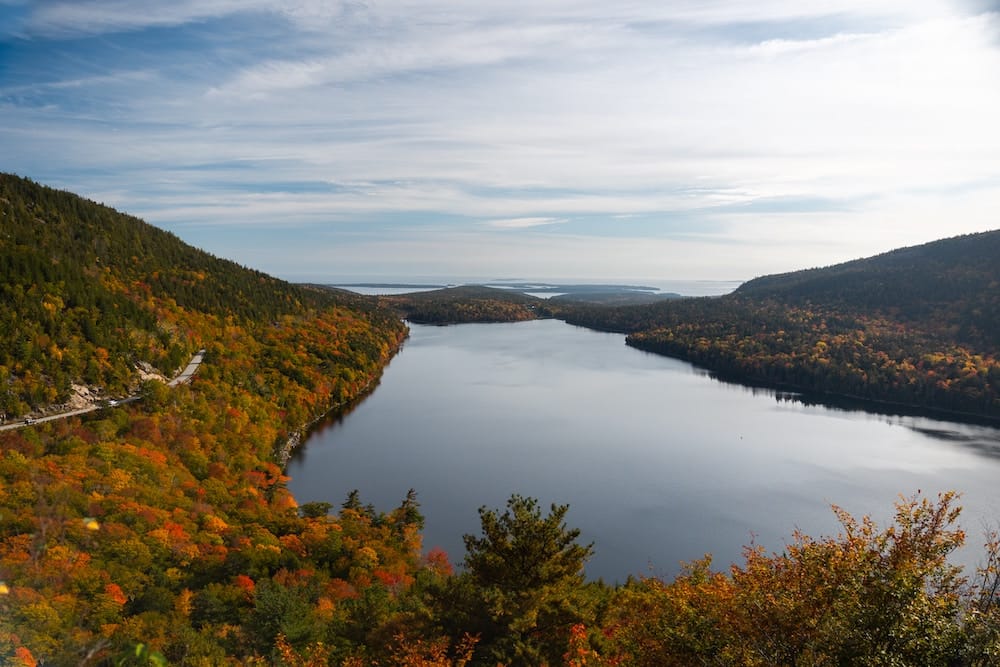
{"x":433,"y":51}
{"x":108,"y":16}
{"x":524,"y":223}
{"x":773,"y":125}
{"x":782,"y":47}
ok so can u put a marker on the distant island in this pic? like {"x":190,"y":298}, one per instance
{"x":389,"y":285}
{"x":527,"y":286}
{"x":562,"y":289}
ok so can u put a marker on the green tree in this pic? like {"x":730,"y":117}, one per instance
{"x":281,"y":610}
{"x":408,"y":512}
{"x":521,"y":550}
{"x":525,"y":577}
{"x":315,"y":510}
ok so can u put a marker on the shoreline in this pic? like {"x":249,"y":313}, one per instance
{"x":830,"y":399}
{"x":295,"y":438}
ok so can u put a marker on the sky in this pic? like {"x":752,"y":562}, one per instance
{"x":648,"y":140}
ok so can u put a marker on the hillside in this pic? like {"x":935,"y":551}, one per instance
{"x":953,"y":283}
{"x":918,"y":328}
{"x":468,"y":303}
{"x":95,"y":298}
{"x":145,"y":524}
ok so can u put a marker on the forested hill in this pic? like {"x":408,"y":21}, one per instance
{"x":468,"y":303}
{"x":144,"y":528}
{"x":91,"y":295}
{"x":916,"y":327}
{"x":954,"y":282}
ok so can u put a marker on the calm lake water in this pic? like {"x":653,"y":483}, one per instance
{"x":658,"y":462}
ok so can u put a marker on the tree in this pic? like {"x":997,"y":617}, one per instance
{"x":282,"y":611}
{"x":408,"y":512}
{"x":315,"y":510}
{"x":525,"y":577}
{"x":519,"y":550}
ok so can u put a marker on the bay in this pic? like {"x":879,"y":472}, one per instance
{"x":659,"y":462}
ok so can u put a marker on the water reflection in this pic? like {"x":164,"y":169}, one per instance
{"x":889,"y":413}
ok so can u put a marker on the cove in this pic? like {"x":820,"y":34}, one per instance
{"x":659,"y":462}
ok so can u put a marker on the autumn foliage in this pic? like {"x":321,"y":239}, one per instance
{"x":162,"y":531}
{"x":866,"y":596}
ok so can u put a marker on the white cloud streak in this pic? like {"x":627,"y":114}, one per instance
{"x":106,"y":16}
{"x":524,"y":223}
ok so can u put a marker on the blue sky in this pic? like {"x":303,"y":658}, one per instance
{"x":562,"y":139}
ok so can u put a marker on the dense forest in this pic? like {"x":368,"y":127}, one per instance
{"x":469,"y":303}
{"x":916,"y":327}
{"x":162,"y":531}
{"x":91,"y":296}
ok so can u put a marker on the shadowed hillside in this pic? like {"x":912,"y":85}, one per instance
{"x":468,"y":303}
{"x":952,"y":285}
{"x":917,"y":327}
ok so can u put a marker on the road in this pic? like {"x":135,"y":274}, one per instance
{"x":184,"y":377}
{"x":189,"y":371}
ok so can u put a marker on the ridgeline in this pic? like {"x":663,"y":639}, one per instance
{"x":916,"y":328}
{"x":96,"y":299}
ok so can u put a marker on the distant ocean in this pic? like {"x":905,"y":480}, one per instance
{"x":401,"y":285}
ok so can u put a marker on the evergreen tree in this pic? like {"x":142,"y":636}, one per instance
{"x":527,"y":583}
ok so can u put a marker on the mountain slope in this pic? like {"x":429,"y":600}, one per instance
{"x":147,"y":526}
{"x":468,"y":303}
{"x":953,"y":283}
{"x":917,"y":327}
{"x":89,"y":296}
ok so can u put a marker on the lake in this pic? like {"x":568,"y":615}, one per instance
{"x":659,"y":462}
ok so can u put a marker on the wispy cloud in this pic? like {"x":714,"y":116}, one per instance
{"x":524,"y":223}
{"x":782,"y":47}
{"x":107,"y":16}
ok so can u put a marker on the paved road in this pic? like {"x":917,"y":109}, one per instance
{"x":188,"y":372}
{"x":39,"y":420}
{"x":183,"y":378}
